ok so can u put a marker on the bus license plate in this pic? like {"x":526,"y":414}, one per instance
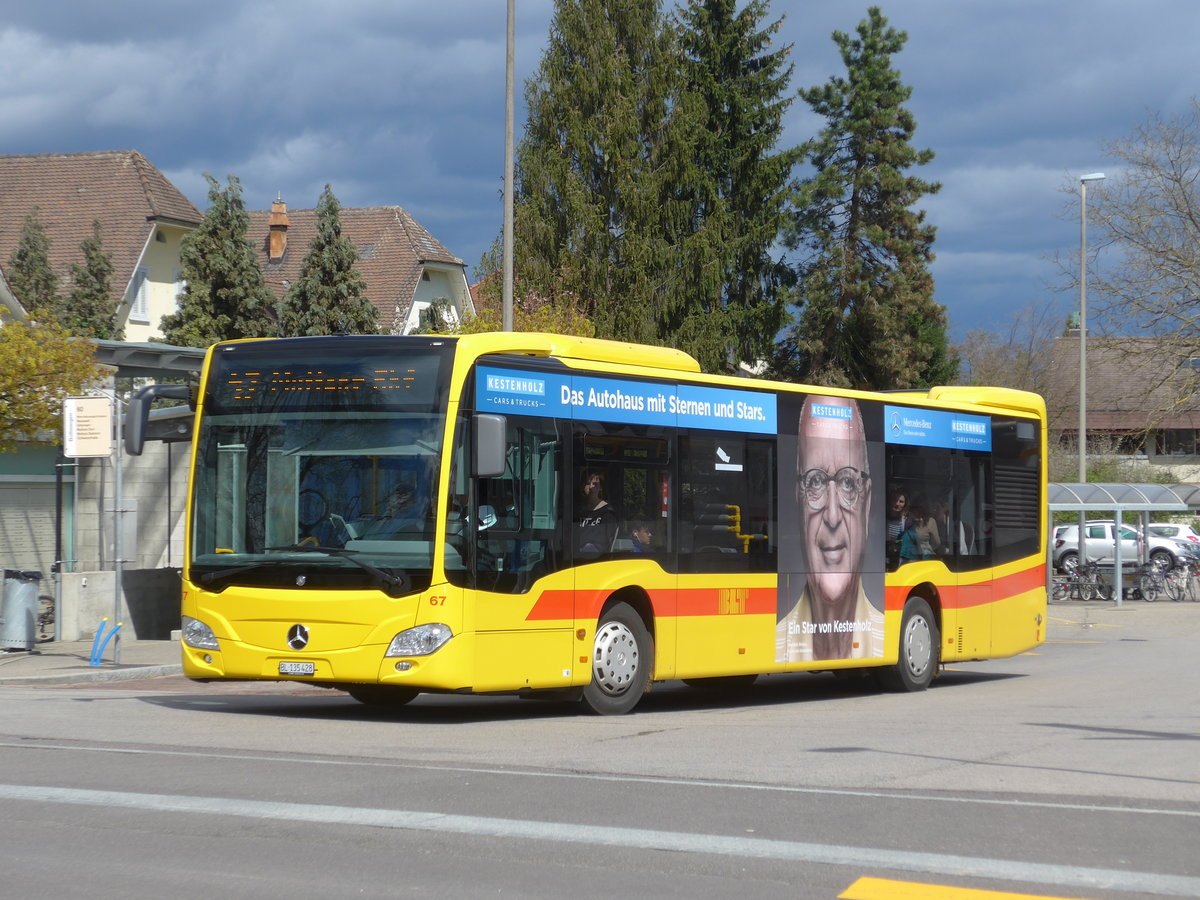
{"x":297,"y":668}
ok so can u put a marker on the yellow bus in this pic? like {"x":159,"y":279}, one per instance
{"x":565,"y":517}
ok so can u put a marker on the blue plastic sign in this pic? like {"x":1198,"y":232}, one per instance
{"x":936,"y":428}
{"x":569,"y":396}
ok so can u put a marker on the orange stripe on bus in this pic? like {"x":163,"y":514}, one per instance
{"x":586,"y":604}
{"x":964,"y":597}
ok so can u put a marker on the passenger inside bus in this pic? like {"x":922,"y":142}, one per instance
{"x":597,"y":524}
{"x":641,"y":537}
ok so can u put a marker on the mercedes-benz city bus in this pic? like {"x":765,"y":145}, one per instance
{"x":565,"y":517}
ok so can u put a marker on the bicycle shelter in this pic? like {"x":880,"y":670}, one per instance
{"x":1120,"y":498}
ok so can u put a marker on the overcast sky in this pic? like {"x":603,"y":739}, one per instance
{"x":401,"y":102}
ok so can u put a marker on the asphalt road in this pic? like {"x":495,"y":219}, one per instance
{"x":1070,"y":772}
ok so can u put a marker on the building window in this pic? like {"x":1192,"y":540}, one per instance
{"x":139,"y":302}
{"x":1176,"y":442}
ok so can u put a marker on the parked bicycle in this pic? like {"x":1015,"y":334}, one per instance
{"x":1181,"y":581}
{"x":1192,"y":568}
{"x":1084,"y":582}
{"x":45,"y":619}
{"x":1170,"y":582}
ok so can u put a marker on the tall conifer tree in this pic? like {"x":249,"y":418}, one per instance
{"x":330,"y":295}
{"x":598,"y":216}
{"x":89,"y":310}
{"x":225,"y":296}
{"x":867,"y":315}
{"x":741,"y":190}
{"x":29,"y":273}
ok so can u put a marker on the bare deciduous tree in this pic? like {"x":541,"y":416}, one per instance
{"x":1146,"y":225}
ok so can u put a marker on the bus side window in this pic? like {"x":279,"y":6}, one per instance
{"x":727,"y":503}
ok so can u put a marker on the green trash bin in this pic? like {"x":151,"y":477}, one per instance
{"x":18,"y":610}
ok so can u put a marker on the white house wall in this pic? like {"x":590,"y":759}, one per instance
{"x":161,"y":259}
{"x":442,"y":284}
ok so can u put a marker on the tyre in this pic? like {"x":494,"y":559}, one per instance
{"x":1148,"y":588}
{"x":1087,"y":586}
{"x":1069,"y":562}
{"x":1176,"y":589}
{"x":1104,"y":590}
{"x":920,"y":645}
{"x":382,"y":696}
{"x":622,"y":657}
{"x":1163,"y":559}
{"x":45,"y":619}
{"x":1059,"y":590}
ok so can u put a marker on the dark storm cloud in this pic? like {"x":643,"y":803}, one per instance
{"x":401,"y":102}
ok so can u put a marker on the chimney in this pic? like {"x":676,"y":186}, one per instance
{"x":277,"y":241}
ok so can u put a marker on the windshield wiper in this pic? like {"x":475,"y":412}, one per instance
{"x":209,"y":577}
{"x":394,"y":584}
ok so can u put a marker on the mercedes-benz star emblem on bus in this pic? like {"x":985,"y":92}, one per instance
{"x":297,"y":637}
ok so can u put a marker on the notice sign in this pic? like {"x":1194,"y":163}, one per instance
{"x":87,"y":426}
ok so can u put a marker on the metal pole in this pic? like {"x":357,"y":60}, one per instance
{"x":118,"y":527}
{"x":1082,"y":333}
{"x":507,"y":297}
{"x":1083,"y":180}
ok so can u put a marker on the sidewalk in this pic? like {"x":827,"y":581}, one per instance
{"x":57,"y":662}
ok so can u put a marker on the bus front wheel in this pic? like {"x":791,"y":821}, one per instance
{"x":622,"y":656}
{"x":919,"y":646}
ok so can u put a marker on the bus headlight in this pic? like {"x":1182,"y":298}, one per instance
{"x":196,"y":634}
{"x":419,"y":641}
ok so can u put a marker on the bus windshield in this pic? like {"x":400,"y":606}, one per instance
{"x":318,"y":468}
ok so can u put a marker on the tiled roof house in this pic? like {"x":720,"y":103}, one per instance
{"x":1141,"y":395}
{"x":142,"y":219}
{"x":404,"y":266}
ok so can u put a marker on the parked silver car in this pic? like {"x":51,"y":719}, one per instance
{"x":1171,"y":530}
{"x":1101,"y":545}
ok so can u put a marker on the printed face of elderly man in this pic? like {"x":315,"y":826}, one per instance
{"x":834,"y":495}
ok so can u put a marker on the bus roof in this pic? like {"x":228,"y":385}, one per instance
{"x":565,"y":346}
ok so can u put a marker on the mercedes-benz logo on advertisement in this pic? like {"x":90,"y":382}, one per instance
{"x":297,"y":637}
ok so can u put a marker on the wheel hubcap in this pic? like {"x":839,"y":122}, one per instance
{"x":919,"y":643}
{"x":616,"y":658}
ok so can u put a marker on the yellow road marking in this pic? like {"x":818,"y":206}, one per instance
{"x":882,"y":889}
{"x":1089,"y":624}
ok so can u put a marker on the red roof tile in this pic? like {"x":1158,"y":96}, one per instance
{"x":120,"y":188}
{"x":393,"y":249}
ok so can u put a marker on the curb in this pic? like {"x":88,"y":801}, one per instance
{"x":86,"y":674}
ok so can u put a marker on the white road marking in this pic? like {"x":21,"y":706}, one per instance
{"x":620,"y":779}
{"x":862,"y":858}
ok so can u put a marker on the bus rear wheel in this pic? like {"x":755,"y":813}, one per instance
{"x":382,"y":696}
{"x":622,"y":656}
{"x":919,"y":647}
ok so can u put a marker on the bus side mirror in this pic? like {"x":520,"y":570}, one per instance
{"x":137,"y":414}
{"x":491,"y":448}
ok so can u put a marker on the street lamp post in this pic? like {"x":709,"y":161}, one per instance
{"x":1083,"y":180}
{"x":506,"y":294}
